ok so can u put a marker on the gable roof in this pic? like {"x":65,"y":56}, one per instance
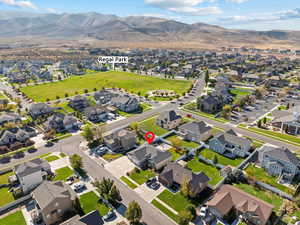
{"x":196,"y":127}
{"x":30,"y":167}
{"x":231,"y":137}
{"x":92,"y":218}
{"x":170,"y":115}
{"x":281,"y":153}
{"x":229,"y":196}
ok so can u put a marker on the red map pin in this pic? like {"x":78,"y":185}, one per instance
{"x":150,"y":136}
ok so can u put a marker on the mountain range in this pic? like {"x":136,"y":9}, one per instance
{"x":133,"y":29}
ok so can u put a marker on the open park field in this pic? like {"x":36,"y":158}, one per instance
{"x":112,"y":79}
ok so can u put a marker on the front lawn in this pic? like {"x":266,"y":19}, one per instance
{"x":132,"y":82}
{"x":266,"y":196}
{"x":176,"y":201}
{"x":63,"y":173}
{"x":128,"y":182}
{"x":142,"y":176}
{"x":185,"y":144}
{"x":4,"y":177}
{"x":150,"y":125}
{"x":51,"y":158}
{"x":16,"y":218}
{"x":263,"y":176}
{"x":165,"y":210}
{"x":198,"y":166}
{"x":175,"y":154}
{"x":90,"y":201}
{"x":210,"y":154}
{"x":110,"y":157}
{"x":5,"y":197}
{"x":238,"y":92}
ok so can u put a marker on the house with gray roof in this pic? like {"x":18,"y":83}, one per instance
{"x":53,"y":200}
{"x":288,"y":120}
{"x":61,"y":122}
{"x":31,"y":174}
{"x":121,"y":140}
{"x":230,"y":144}
{"x":168,"y":120}
{"x":16,"y":137}
{"x":125,"y":103}
{"x":148,"y":156}
{"x":175,"y":175}
{"x":195,"y":131}
{"x":79,"y":103}
{"x":96,"y":114}
{"x":211,"y":103}
{"x":103,"y":97}
{"x":40,"y":109}
{"x":92,"y":218}
{"x":9,"y":118}
{"x":279,"y":162}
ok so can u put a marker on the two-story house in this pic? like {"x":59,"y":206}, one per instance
{"x":169,"y":120}
{"x":39,"y":109}
{"x":103,"y":97}
{"x":230,"y":144}
{"x":195,"y":131}
{"x":53,"y":200}
{"x":279,"y":162}
{"x":121,"y":140}
{"x":79,"y":103}
{"x":96,"y":114}
{"x":125,"y":103}
{"x":61,"y":122}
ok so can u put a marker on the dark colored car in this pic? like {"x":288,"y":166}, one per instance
{"x":155,"y":186}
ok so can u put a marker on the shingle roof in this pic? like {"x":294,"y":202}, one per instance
{"x":281,"y":153}
{"x":92,"y":218}
{"x":170,"y":115}
{"x":196,"y":127}
{"x":30,"y":167}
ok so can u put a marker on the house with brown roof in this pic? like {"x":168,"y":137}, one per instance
{"x":229,"y":200}
{"x":174,"y":175}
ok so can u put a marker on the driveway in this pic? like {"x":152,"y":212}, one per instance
{"x":120,"y":166}
{"x":147,"y":193}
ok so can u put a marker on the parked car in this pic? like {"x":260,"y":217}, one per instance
{"x":203,"y":211}
{"x":109,"y":215}
{"x":155,"y":186}
{"x":79,"y":187}
{"x":150,"y":181}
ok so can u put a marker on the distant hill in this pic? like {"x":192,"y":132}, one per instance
{"x":132,"y":29}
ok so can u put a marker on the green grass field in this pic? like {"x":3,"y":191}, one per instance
{"x":90,"y":201}
{"x":128,"y":182}
{"x":175,"y":155}
{"x":142,"y":176}
{"x":129,"y":81}
{"x":63,"y":173}
{"x":5,"y":197}
{"x":150,"y":125}
{"x":176,"y":201}
{"x":238,"y":92}
{"x":51,"y":158}
{"x":213,"y":173}
{"x":16,"y":218}
{"x":185,"y":144}
{"x":165,"y":210}
{"x":4,"y":177}
{"x":210,"y":154}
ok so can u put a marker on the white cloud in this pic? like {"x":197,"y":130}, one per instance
{"x":185,"y":7}
{"x":237,"y":1}
{"x":21,"y":4}
{"x":51,"y":10}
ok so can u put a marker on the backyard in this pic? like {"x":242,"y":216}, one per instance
{"x":16,"y":218}
{"x":5,"y":196}
{"x":185,"y":144}
{"x":142,"y":176}
{"x":129,"y":81}
{"x":198,"y":166}
{"x":261,"y":175}
{"x":90,"y":201}
{"x":150,"y":125}
{"x":210,"y":154}
{"x":175,"y":154}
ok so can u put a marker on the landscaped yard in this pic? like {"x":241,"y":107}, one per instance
{"x":111,"y":157}
{"x":266,"y":196}
{"x":261,"y":175}
{"x":165,"y":210}
{"x":150,"y":125}
{"x":4,"y":177}
{"x":63,"y":173}
{"x":64,"y":107}
{"x":16,"y":218}
{"x":185,"y":144}
{"x":198,"y":166}
{"x":90,"y":201}
{"x":210,"y":154}
{"x":129,"y":81}
{"x":175,"y":155}
{"x":51,"y":158}
{"x":142,"y":176}
{"x":128,"y":182}
{"x":143,"y":108}
{"x":5,"y":197}
{"x":176,"y":201}
{"x":240,"y":91}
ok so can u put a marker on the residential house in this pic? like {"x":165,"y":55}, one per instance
{"x":103,"y":97}
{"x":229,"y":200}
{"x":53,"y":200}
{"x":79,"y":103}
{"x":31,"y":174}
{"x":125,"y":103}
{"x":211,"y":103}
{"x":279,"y":162}
{"x":96,"y":114}
{"x":148,"y":156}
{"x":9,"y":118}
{"x":121,"y":140}
{"x":195,"y":131}
{"x":169,"y":120}
{"x":61,"y":122}
{"x":92,"y":218}
{"x":17,"y":137}
{"x":288,"y":120}
{"x":39,"y":109}
{"x":230,"y":144}
{"x":175,"y":175}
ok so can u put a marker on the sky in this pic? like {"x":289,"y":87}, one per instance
{"x":237,"y":14}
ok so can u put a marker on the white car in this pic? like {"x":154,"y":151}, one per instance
{"x":203,"y":211}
